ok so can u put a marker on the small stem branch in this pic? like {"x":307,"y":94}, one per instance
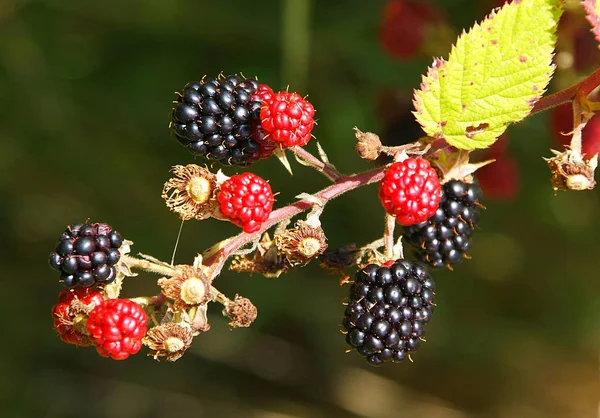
{"x":154,"y":301}
{"x":319,"y":165}
{"x":133,"y":262}
{"x":343,"y":185}
{"x":583,"y":88}
{"x":390,"y":225}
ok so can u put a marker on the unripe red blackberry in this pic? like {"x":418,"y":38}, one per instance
{"x":246,"y":200}
{"x":388,"y":309}
{"x":116,"y":327}
{"x":410,"y":191}
{"x":86,"y":255}
{"x":288,"y":118}
{"x":445,"y":238}
{"x":213,"y":118}
{"x":70,"y":313}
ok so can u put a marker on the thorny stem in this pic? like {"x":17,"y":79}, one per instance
{"x":343,"y":185}
{"x":583,"y":88}
{"x":329,"y":172}
{"x":390,"y":225}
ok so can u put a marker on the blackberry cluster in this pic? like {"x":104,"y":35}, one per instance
{"x":214,"y":118}
{"x":445,"y":238}
{"x":86,"y":255}
{"x":388,"y":310}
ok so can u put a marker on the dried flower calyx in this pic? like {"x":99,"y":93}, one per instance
{"x":570,"y":171}
{"x":169,"y":340}
{"x":189,"y":287}
{"x":241,"y":312}
{"x":301,"y":244}
{"x":192,"y":193}
{"x":368,"y":145}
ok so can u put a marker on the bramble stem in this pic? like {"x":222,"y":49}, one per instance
{"x":583,"y":88}
{"x":343,"y":185}
{"x":319,"y":165}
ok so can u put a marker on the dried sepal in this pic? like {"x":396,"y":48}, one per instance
{"x":368,"y":145}
{"x":571,"y":172}
{"x":192,"y":192}
{"x":265,"y":260}
{"x":454,"y":165}
{"x":301,"y":244}
{"x":187,"y":288}
{"x":169,"y":340}
{"x":241,"y":311}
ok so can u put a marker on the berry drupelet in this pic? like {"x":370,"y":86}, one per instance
{"x":445,"y":238}
{"x":86,"y":255}
{"x":388,"y":309}
{"x":215,"y":117}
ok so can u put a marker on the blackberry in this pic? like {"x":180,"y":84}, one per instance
{"x":86,"y":255}
{"x":213,"y":118}
{"x":445,"y":238}
{"x":388,"y":309}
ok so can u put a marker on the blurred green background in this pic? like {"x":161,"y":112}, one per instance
{"x":86,"y":89}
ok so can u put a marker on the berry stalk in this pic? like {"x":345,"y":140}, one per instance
{"x":390,"y":226}
{"x":326,"y":169}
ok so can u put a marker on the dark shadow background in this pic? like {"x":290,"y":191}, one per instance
{"x":85,"y":92}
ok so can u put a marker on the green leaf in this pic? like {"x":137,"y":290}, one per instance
{"x":493,"y":77}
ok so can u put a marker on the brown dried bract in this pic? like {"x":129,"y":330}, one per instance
{"x":189,"y":287}
{"x":301,"y":244}
{"x":241,"y":312}
{"x":192,"y":193}
{"x":368,"y":145}
{"x":571,"y":172}
{"x":266,"y":260}
{"x":168,"y":340}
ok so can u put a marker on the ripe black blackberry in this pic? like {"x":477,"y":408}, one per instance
{"x":445,"y":238}
{"x":213,"y":119}
{"x":86,"y":255}
{"x":388,"y":309}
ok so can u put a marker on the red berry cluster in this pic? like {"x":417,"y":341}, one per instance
{"x":117,"y":327}
{"x":246,"y":200}
{"x":406,"y":25}
{"x":410,"y":190}
{"x":288,"y":118}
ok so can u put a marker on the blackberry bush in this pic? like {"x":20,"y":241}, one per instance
{"x":236,"y":121}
